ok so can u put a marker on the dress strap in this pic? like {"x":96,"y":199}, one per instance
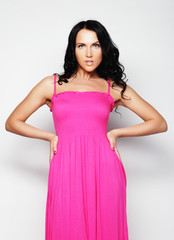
{"x":54,"y":83}
{"x":109,"y":86}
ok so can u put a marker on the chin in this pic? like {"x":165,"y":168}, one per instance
{"x":89,"y":69}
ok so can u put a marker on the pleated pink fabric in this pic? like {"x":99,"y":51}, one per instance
{"x":86,"y":198}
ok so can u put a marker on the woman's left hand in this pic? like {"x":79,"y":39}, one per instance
{"x":113,"y":139}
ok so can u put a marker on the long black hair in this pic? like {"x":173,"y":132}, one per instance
{"x":109,"y":66}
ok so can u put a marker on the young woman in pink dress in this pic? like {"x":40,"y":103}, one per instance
{"x":86,"y":197}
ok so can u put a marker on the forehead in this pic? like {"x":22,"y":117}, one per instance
{"x":86,"y":36}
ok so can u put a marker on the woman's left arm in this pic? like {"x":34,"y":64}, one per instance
{"x":153,"y":120}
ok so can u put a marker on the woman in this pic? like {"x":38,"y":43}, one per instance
{"x":87,"y":182}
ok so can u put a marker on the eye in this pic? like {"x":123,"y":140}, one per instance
{"x":96,"y":44}
{"x":80,"y":45}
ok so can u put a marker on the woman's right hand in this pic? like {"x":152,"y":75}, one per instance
{"x":53,"y":146}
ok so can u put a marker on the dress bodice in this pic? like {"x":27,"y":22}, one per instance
{"x":81,"y":113}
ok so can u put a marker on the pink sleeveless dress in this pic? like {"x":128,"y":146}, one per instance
{"x":86,"y":198}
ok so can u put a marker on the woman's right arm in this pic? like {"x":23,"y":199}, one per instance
{"x":37,"y":97}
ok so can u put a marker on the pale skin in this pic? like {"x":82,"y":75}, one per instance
{"x":87,"y":48}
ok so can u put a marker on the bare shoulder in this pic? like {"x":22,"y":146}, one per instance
{"x":39,"y":95}
{"x":47,"y":86}
{"x":115,"y":92}
{"x":46,"y":82}
{"x":129,"y":95}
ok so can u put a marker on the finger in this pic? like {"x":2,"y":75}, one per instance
{"x":112,"y":147}
{"x":55,"y":152}
{"x":51,"y":156}
{"x":119,"y":156}
{"x":116,"y":150}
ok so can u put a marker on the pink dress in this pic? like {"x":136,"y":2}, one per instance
{"x":86,"y":198}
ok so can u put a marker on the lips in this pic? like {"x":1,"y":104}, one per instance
{"x":89,"y":62}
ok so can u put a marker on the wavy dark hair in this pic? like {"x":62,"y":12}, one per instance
{"x":109,"y":66}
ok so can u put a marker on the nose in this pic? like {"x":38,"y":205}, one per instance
{"x":88,"y":52}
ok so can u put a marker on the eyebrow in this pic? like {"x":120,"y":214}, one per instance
{"x":84,"y":43}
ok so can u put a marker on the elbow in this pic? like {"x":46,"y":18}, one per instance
{"x":166,"y":127}
{"x":7,"y":127}
{"x":163,"y":126}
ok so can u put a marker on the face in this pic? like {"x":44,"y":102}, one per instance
{"x":88,"y":50}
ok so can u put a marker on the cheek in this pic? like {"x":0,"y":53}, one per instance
{"x":79,"y":56}
{"x":77,"y":53}
{"x":98,"y":54}
{"x":98,"y":57}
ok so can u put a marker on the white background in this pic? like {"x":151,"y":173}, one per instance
{"x":34,"y":36}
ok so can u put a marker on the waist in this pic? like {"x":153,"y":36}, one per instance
{"x":81,"y":135}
